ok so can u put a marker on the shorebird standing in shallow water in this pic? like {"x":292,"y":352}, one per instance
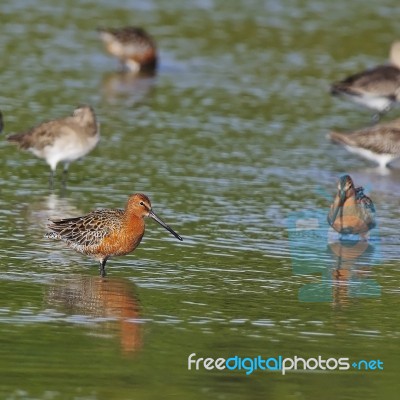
{"x":379,"y":143}
{"x":134,"y":47}
{"x":352,"y":212}
{"x":61,"y":140}
{"x":106,"y":233}
{"x":377,"y":88}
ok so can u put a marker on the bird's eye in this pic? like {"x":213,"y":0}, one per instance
{"x":141,"y":203}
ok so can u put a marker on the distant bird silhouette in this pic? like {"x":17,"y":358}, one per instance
{"x":377,"y":88}
{"x":379,"y":143}
{"x":134,"y":47}
{"x":106,"y":233}
{"x":61,"y":140}
{"x":352,"y":212}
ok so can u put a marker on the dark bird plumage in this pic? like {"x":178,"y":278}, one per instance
{"x":133,"y":46}
{"x":376,"y":88}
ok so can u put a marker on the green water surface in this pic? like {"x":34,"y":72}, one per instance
{"x":228,"y":140}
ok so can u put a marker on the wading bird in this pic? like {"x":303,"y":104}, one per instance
{"x":106,"y":233}
{"x":352,"y":212}
{"x":379,"y":143}
{"x":134,"y":47}
{"x":61,"y":140}
{"x":376,"y":88}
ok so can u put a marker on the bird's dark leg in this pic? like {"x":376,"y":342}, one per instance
{"x":375,"y":118}
{"x":122,"y":67}
{"x":103,"y":267}
{"x":65,"y":175}
{"x":51,"y":180}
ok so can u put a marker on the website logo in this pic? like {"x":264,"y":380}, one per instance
{"x":282,"y":364}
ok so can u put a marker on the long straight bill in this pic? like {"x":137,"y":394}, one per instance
{"x":162,"y":223}
{"x":339,"y":206}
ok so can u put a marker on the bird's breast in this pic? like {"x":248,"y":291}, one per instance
{"x":352,"y":218}
{"x":123,"y":240}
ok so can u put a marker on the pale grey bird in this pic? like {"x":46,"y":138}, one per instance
{"x":61,"y":140}
{"x":376,"y":88}
{"x":379,"y":143}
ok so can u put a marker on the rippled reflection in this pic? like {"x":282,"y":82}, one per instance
{"x":351,"y":273}
{"x":343,"y":264}
{"x":50,"y":206}
{"x":110,"y":303}
{"x":345,"y":274}
{"x":124,"y":84}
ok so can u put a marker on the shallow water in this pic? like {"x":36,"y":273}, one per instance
{"x":229,"y":142}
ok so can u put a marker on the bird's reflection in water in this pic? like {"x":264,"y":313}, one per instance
{"x":110,"y":300}
{"x":50,"y":206}
{"x":339,"y":266}
{"x":351,"y":271}
{"x":127,"y":85}
{"x":345,"y":269}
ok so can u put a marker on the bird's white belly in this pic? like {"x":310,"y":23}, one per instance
{"x":66,"y":149}
{"x":381,"y":159}
{"x":378,"y":103}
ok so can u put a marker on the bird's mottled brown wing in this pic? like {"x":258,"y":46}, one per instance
{"x":384,"y":139}
{"x":367,"y":207}
{"x":43,"y":134}
{"x":380,"y":80}
{"x":87,"y":231}
{"x":131,"y":34}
